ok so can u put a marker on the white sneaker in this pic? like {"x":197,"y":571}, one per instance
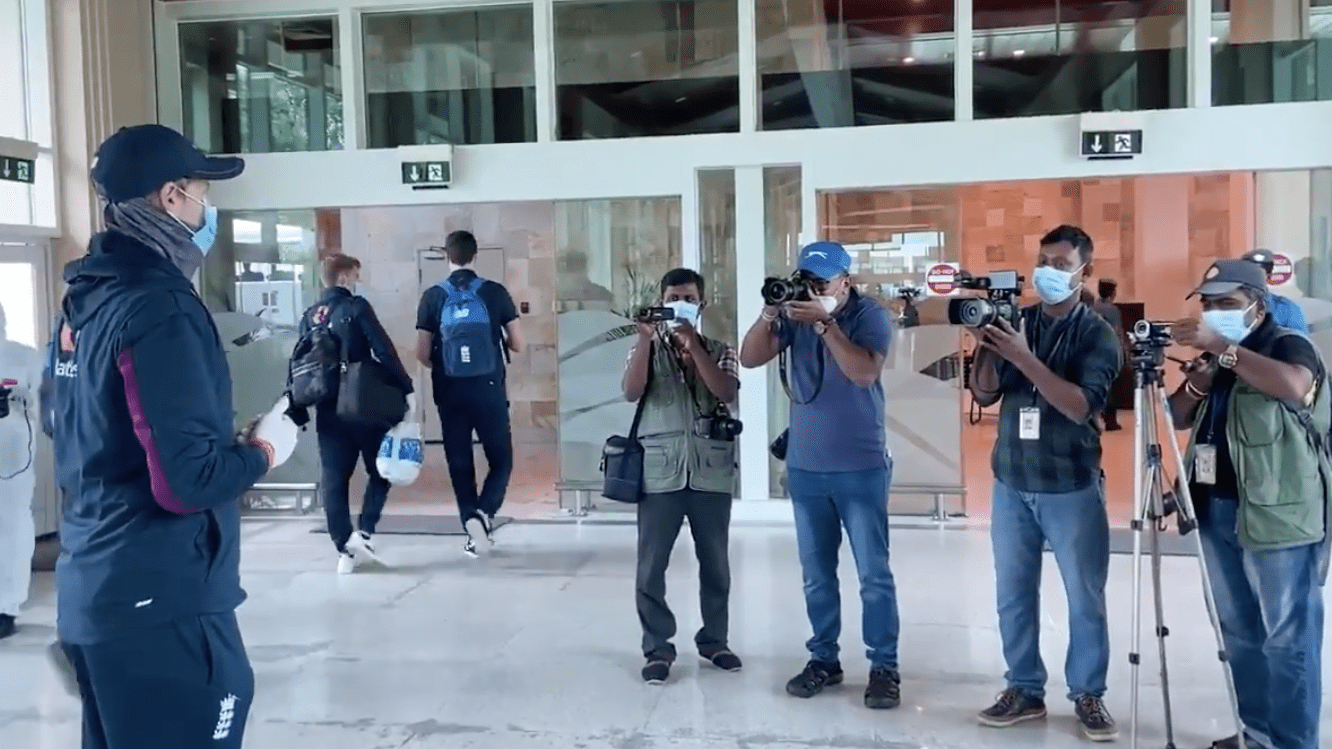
{"x":362,"y":548}
{"x":346,"y":563}
{"x":478,"y":536}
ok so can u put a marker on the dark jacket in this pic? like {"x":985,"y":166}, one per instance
{"x":354,"y":323}
{"x":148,"y":455}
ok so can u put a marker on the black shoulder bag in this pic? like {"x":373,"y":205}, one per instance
{"x":622,"y":457}
{"x":368,"y":394}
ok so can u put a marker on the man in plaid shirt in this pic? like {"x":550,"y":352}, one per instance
{"x":1053,"y":374}
{"x":686,"y":381}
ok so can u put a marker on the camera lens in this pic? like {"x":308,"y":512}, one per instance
{"x":778,"y":291}
{"x":975,"y":313}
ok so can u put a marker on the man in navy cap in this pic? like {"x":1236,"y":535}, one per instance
{"x":1256,"y":401}
{"x":1286,"y":312}
{"x":150,"y":462}
{"x":838,"y":468}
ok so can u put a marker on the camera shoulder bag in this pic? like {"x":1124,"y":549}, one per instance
{"x":622,"y":457}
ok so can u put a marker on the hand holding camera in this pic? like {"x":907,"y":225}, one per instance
{"x":1200,"y":372}
{"x":1005,"y":340}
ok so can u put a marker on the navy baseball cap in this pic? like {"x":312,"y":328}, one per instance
{"x":1227,"y":275}
{"x":136,"y":161}
{"x":824,"y":260}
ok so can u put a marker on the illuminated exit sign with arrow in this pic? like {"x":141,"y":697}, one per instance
{"x":426,"y":175}
{"x":1111,"y":144}
{"x":18,"y":170}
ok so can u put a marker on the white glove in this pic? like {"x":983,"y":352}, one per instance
{"x":411,"y":406}
{"x":277,"y":433}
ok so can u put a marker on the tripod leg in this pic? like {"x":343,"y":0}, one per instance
{"x":1184,"y":504}
{"x":1140,"y":515}
{"x":1162,"y":631}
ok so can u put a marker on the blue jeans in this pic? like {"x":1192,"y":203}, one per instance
{"x":824,"y":503}
{"x":1271,"y":608}
{"x":1075,"y":525}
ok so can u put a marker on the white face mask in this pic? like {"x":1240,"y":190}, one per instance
{"x":685,"y":311}
{"x":829,"y":303}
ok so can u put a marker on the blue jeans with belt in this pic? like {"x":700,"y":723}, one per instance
{"x":1078,"y":531}
{"x":1270,"y":604}
{"x":824,"y":504}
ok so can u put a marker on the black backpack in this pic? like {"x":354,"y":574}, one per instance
{"x":316,"y":362}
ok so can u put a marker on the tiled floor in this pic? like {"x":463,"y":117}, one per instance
{"x":537,"y":647}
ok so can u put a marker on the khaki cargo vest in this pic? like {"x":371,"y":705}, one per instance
{"x":674,"y":457}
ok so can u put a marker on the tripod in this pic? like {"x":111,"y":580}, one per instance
{"x":1154,"y":503}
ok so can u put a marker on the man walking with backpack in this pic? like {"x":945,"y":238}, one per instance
{"x":343,"y":327}
{"x":464,"y":325}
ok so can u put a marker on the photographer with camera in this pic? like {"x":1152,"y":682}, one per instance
{"x":1053,"y":374}
{"x":685,"y":381}
{"x":1258,"y":473}
{"x":838,"y":467}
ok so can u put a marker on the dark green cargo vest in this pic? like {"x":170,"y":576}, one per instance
{"x":674,"y":457}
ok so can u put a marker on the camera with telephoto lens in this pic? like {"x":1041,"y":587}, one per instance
{"x":5,"y":395}
{"x":1001,"y":288}
{"x":798,"y":288}
{"x":718,"y":426}
{"x":654,"y":315}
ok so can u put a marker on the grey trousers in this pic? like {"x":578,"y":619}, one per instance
{"x":659,"y":520}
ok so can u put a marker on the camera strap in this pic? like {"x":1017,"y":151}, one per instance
{"x":781,"y":371}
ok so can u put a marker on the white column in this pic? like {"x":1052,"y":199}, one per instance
{"x":1282,"y":212}
{"x":963,"y":61}
{"x":353,"y":78}
{"x":691,"y":255}
{"x":749,"y":274}
{"x":1199,"y":53}
{"x":543,"y":37}
{"x":748,"y":61}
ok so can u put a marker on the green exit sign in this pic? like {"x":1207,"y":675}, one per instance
{"x":18,"y":170}
{"x":426,"y":174}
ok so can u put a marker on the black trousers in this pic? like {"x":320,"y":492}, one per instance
{"x":659,"y":519}
{"x":341,"y":445}
{"x":186,"y":684}
{"x":476,"y":406}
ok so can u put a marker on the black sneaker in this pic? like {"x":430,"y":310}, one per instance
{"x":884,"y":690}
{"x":7,"y":626}
{"x":725,"y":660}
{"x":656,"y":672}
{"x":1012,"y":707}
{"x":814,"y":679}
{"x":1233,"y":742}
{"x":1097,"y":724}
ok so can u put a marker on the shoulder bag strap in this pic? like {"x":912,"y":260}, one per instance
{"x":642,"y":401}
{"x":781,"y":367}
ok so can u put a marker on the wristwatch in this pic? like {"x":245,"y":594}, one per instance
{"x":820,"y":327}
{"x":1228,"y":358}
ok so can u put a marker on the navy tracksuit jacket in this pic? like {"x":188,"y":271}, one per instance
{"x":148,"y":459}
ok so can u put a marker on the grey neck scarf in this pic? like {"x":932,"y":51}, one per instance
{"x":139,"y":219}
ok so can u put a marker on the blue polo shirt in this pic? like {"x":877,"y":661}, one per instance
{"x":841,"y":427}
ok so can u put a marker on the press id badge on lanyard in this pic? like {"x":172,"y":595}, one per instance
{"x":1029,"y":423}
{"x":1204,"y":464}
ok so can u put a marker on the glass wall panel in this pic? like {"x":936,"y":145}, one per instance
{"x":611,"y":256}
{"x":1269,"y":51}
{"x":834,"y":64}
{"x":646,"y":67}
{"x":458,"y":76}
{"x":781,"y":221}
{"x":1069,"y":56}
{"x":13,"y":77}
{"x":262,"y":86}
{"x":716,"y":244}
{"x":257,"y":280}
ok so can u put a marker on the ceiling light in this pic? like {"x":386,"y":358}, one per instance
{"x":1019,"y":52}
{"x":1215,"y":40}
{"x":909,"y":60}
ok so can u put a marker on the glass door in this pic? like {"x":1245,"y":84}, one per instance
{"x":24,"y":295}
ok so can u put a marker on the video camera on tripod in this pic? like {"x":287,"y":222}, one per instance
{"x":1001,"y":287}
{"x":1147,"y":344}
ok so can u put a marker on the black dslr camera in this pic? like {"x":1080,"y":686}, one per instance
{"x":718,"y":425}
{"x":654,"y":315}
{"x":5,"y":395}
{"x":798,"y":288}
{"x":1001,"y":288}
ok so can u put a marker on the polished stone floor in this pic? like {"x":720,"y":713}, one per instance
{"x":537,"y":646}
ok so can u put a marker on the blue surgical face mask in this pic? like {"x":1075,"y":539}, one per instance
{"x":205,"y":235}
{"x":1054,"y":286}
{"x":1230,"y":324}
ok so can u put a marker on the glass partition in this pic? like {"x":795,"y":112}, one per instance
{"x":611,"y":256}
{"x":781,"y":245}
{"x":454,"y":76}
{"x":259,"y":277}
{"x":831,"y":64}
{"x":1269,"y":51}
{"x":629,"y":68}
{"x":716,"y":245}
{"x":1070,"y":56}
{"x":261,"y":86}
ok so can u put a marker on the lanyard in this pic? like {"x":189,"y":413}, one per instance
{"x":1061,"y":328}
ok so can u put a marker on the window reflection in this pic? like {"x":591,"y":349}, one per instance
{"x":262,"y":86}
{"x":1267,"y":52}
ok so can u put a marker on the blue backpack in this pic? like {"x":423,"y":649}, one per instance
{"x":466,"y":339}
